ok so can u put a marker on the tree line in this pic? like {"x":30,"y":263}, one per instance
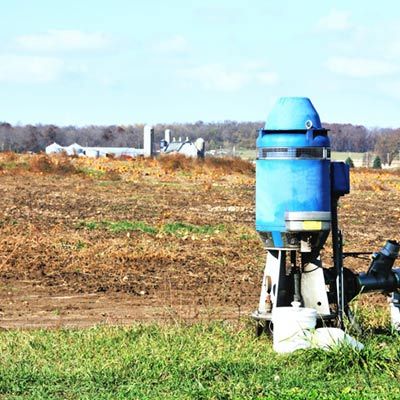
{"x":226,"y":134}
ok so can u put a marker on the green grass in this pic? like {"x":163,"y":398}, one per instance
{"x":202,"y":361}
{"x":343,"y":155}
{"x":94,"y":173}
{"x":178,"y":229}
{"x":181,"y":229}
{"x":9,"y":165}
{"x":118,"y":226}
{"x":246,"y":154}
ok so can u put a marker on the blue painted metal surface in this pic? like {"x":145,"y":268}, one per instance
{"x":292,"y":113}
{"x":340,"y":177}
{"x":296,"y":180}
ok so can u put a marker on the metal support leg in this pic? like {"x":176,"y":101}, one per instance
{"x":267,"y":300}
{"x":339,"y":281}
{"x":313,"y":289}
{"x":337,"y":247}
{"x":264,"y":290}
{"x":269,"y":285}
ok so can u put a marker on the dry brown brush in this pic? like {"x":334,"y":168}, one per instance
{"x":59,"y":164}
{"x":225,"y":165}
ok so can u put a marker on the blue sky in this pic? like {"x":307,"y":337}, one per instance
{"x":71,"y":62}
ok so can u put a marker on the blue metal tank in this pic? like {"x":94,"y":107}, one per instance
{"x":293,"y":199}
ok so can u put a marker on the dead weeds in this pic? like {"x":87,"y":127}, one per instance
{"x":44,"y":207}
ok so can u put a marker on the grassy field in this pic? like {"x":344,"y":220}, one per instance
{"x":343,"y":155}
{"x":202,"y":361}
{"x":247,"y":154}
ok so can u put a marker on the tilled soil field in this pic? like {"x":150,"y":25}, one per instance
{"x":121,"y":241}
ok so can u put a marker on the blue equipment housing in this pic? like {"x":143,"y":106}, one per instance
{"x":293,"y":177}
{"x":297,"y":194}
{"x":340,"y":179}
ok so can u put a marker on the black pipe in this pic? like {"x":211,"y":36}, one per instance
{"x":379,"y":282}
{"x":379,"y":278}
{"x":382,"y":262}
{"x":380,"y":275}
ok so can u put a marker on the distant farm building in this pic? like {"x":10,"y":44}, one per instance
{"x":185,"y":147}
{"x":94,"y":152}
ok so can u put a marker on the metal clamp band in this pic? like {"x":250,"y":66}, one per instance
{"x":294,"y":153}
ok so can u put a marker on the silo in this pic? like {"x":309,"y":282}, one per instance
{"x":148,"y":141}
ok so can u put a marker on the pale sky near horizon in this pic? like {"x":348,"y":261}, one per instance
{"x":75,"y":62}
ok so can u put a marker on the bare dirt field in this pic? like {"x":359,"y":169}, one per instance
{"x":110,"y":242}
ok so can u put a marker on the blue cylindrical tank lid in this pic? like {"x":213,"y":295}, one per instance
{"x":292,"y":113}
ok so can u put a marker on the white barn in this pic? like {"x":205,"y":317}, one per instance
{"x":54,"y":148}
{"x":94,"y":152}
{"x":187,"y":147}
